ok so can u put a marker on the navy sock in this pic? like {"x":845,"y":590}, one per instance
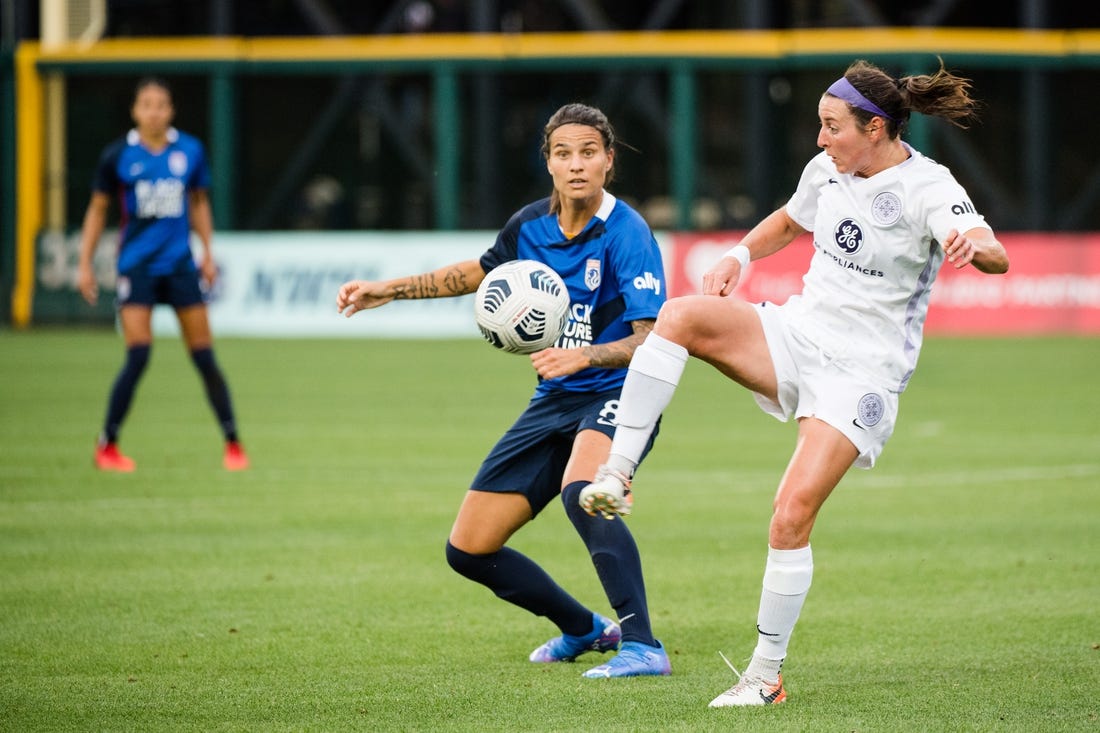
{"x":516,"y":578}
{"x":217,"y":391}
{"x":617,"y":562}
{"x":122,"y":392}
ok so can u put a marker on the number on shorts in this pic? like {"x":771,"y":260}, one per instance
{"x":608,"y":413}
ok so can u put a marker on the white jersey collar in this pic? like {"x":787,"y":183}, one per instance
{"x":133,"y":138}
{"x":606,"y":206}
{"x":913,"y":154}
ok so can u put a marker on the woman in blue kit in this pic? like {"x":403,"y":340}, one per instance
{"x":610,"y":262}
{"x":159,"y":176}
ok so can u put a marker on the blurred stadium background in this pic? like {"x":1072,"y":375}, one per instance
{"x":423,"y":116}
{"x":362,"y":139}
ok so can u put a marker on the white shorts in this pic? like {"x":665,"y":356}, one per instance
{"x":813,"y":384}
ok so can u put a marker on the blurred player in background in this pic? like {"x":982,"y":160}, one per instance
{"x":836,"y":358}
{"x":160,"y":177}
{"x":610,"y":262}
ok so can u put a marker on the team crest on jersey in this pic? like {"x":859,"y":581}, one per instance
{"x":886,"y":208}
{"x":871,"y":408}
{"x":592,"y":274}
{"x":177,"y":162}
{"x":848,"y":236}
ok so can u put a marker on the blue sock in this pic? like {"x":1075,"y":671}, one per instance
{"x":617,"y":562}
{"x":217,"y":391}
{"x":516,"y":578}
{"x":122,"y":392}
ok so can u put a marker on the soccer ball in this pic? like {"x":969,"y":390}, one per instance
{"x":521,"y":306}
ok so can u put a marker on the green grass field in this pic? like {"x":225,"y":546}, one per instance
{"x":957,"y":585}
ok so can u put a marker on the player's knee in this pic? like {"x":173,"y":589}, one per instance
{"x":600,"y":536}
{"x":681,"y":318}
{"x":793,"y":518}
{"x":137,"y":358}
{"x":787,"y":534}
{"x":466,"y":564}
{"x":671,"y":320}
{"x":570,"y":497}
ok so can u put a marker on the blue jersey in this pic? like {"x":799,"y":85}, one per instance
{"x":613,"y":270}
{"x":153,"y":189}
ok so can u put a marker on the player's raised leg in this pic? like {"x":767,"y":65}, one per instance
{"x":654,"y":373}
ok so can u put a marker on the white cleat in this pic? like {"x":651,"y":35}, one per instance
{"x":608,"y":495}
{"x":750,"y":690}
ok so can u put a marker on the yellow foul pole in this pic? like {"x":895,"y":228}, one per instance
{"x":29,"y":159}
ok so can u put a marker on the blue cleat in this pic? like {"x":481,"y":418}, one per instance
{"x":604,"y":637}
{"x":634,"y":660}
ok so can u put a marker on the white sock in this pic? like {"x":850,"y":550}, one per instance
{"x":787,"y":578}
{"x":650,"y":383}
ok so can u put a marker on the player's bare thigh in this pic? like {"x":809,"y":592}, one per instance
{"x":590,"y":449}
{"x":724,"y":332}
{"x":195,"y":326}
{"x":487,"y":519}
{"x":137,"y":324}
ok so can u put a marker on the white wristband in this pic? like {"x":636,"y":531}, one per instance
{"x":741,"y":254}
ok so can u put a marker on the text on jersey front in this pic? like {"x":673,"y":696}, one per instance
{"x":159,"y":199}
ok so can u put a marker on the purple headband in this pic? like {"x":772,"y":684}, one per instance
{"x":843,"y":89}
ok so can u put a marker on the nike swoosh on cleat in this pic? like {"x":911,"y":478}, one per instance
{"x":768,"y":699}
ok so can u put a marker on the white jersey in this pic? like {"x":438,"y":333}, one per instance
{"x":876,"y":254}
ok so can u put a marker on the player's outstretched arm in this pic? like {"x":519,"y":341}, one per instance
{"x":460,"y":278}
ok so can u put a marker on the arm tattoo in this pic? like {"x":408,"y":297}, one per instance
{"x":456,"y":282}
{"x":423,"y":286}
{"x":416,"y":287}
{"x":617,"y":353}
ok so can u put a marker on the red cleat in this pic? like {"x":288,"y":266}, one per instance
{"x":108,"y":458}
{"x":235,"y":458}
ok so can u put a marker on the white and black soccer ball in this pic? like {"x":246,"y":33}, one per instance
{"x":522,"y":306}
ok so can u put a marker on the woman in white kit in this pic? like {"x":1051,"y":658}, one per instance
{"x":884,"y":218}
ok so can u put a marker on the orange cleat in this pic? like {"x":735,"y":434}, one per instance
{"x":108,"y":458}
{"x":235,"y":458}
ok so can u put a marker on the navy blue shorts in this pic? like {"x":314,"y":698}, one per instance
{"x":178,"y":289}
{"x":530,"y":458}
